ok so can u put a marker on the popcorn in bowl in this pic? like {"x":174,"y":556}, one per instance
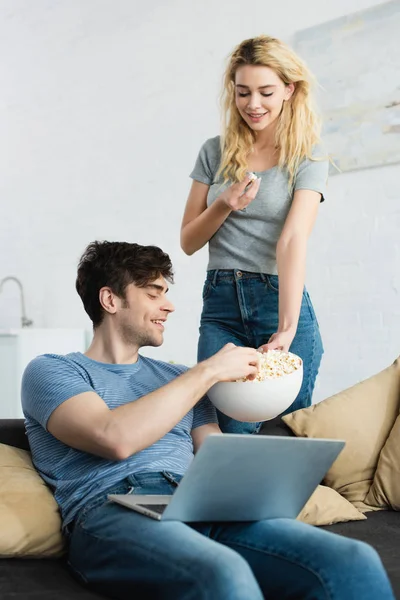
{"x":275,"y":364}
{"x":278,"y":383}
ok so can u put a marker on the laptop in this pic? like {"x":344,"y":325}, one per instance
{"x":236,"y":477}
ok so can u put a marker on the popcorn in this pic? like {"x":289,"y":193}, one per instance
{"x":252,"y":176}
{"x":275,"y":364}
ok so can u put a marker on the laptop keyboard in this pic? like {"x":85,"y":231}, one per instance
{"x":157,"y":508}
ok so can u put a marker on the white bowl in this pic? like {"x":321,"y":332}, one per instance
{"x":254,"y":401}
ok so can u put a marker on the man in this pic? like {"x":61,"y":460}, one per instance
{"x":113,"y":421}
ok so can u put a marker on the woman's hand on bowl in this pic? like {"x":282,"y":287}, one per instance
{"x":281,"y":340}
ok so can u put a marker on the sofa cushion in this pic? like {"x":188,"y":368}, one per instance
{"x":363,"y":416}
{"x":326,"y":506}
{"x":385,"y":488}
{"x":30,"y":523}
{"x":42,"y":579}
{"x":12,"y":433}
{"x":276,"y":427}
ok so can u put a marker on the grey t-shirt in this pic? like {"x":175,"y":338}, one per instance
{"x":247,"y":240}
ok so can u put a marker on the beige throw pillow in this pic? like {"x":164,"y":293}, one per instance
{"x":385,"y":488}
{"x":363,"y":416}
{"x":30,"y":523}
{"x":326,"y":506}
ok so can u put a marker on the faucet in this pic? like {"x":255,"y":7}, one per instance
{"x":25,"y":322}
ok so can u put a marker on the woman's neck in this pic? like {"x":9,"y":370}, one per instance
{"x":265,"y":139}
{"x":265,"y":154}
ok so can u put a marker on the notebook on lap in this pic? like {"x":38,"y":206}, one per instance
{"x":236,"y":477}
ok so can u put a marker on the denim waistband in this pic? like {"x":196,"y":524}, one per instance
{"x":125,"y":486}
{"x":216,"y":275}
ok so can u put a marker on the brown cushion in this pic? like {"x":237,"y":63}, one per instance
{"x":30,"y":523}
{"x":363,"y":416}
{"x":385,"y":489}
{"x":327,"y":506}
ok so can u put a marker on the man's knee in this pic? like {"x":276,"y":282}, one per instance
{"x":225,"y":574}
{"x":363,"y":556}
{"x":358,"y":561}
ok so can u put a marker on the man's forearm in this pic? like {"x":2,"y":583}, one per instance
{"x":132,"y":427}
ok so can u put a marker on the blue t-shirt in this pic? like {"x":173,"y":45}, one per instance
{"x":76,"y":476}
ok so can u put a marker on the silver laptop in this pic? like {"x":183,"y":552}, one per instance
{"x":236,"y":477}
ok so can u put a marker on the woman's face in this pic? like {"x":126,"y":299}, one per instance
{"x":260,"y":94}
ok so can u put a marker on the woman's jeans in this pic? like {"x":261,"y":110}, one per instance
{"x":123,"y":554}
{"x":242,"y":308}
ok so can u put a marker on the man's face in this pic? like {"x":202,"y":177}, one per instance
{"x":141,"y":317}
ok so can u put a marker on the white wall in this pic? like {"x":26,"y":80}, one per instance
{"x":103,"y":107}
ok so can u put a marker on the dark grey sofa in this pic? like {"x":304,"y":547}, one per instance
{"x":39,"y":579}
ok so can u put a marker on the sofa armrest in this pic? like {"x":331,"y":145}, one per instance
{"x":12,"y":432}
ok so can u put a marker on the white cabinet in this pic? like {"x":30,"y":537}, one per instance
{"x":18,"y":347}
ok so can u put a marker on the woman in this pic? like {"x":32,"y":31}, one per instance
{"x":259,"y":228}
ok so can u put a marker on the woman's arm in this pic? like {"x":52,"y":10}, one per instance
{"x":291,"y":260}
{"x":200,"y":223}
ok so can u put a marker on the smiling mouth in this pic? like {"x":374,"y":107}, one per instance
{"x":159,"y":323}
{"x":256,"y":116}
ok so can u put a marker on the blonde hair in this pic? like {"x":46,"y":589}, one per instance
{"x":298,"y":126}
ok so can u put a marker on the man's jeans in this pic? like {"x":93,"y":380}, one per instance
{"x":126,"y":555}
{"x":242,"y":308}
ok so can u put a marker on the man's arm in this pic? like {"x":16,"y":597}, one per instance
{"x":86,"y":423}
{"x":200,"y":433}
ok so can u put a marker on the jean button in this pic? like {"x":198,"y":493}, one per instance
{"x":239,"y":273}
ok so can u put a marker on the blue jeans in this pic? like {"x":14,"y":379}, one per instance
{"x":125,"y":555}
{"x":242,"y":308}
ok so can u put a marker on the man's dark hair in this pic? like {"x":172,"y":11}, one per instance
{"x":116,"y":265}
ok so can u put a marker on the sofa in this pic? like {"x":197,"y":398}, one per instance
{"x":45,"y":579}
